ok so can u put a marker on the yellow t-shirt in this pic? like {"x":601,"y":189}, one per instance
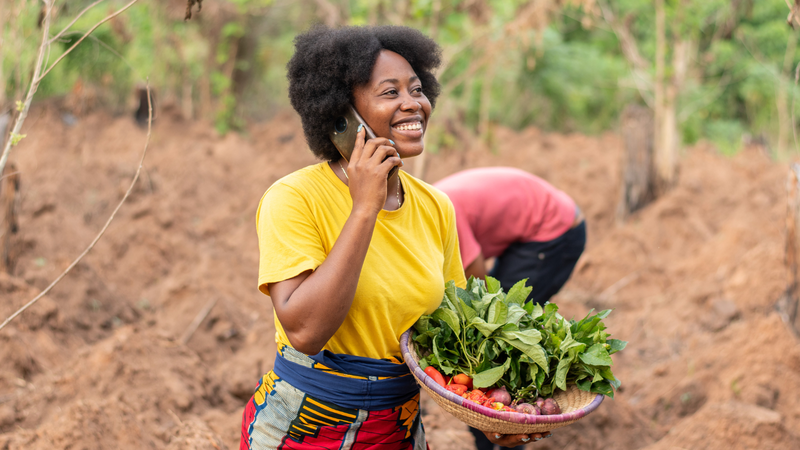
{"x":413,"y":251}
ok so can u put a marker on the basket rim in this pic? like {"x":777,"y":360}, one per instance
{"x":514,"y":417}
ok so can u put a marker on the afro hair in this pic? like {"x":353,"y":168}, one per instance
{"x":328,"y":63}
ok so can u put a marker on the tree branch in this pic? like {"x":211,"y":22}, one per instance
{"x":53,"y":39}
{"x":13,"y":137}
{"x":629,"y":48}
{"x":39,"y":79}
{"x":108,"y":222}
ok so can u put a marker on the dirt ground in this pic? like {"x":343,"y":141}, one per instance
{"x":109,"y":358}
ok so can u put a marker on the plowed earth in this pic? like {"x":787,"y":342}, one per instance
{"x":109,"y":359}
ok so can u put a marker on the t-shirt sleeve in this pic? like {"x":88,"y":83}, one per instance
{"x":289,"y":242}
{"x":453,"y":269}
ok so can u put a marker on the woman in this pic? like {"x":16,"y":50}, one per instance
{"x":350,"y":258}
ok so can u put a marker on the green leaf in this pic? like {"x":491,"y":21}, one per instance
{"x":515,"y":313}
{"x":485,"y":328}
{"x":603,"y":387}
{"x":467,"y":312}
{"x":596,"y":355}
{"x":615,"y":345}
{"x":568,"y":343}
{"x":536,"y":310}
{"x":450,"y":298}
{"x":466,"y":296}
{"x":498,"y":312}
{"x":422,"y":324}
{"x":518,"y":293}
{"x":527,"y":336}
{"x":16,"y":138}
{"x":492,"y":285}
{"x":533,"y":351}
{"x":449,"y":317}
{"x":481,"y":306}
{"x":585,"y":384}
{"x":489,"y":377}
{"x":561,"y":372}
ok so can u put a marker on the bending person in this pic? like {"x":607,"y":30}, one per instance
{"x":534,"y":230}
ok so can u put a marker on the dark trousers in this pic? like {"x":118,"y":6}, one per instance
{"x":547,"y":266}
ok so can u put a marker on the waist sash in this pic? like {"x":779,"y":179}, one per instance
{"x":387,"y":384}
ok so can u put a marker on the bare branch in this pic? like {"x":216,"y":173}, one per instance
{"x":54,"y":38}
{"x":108,"y":222}
{"x":12,"y":138}
{"x":91,"y":30}
{"x":631,"y":51}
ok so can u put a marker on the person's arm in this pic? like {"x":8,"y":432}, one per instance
{"x":313,"y":305}
{"x":477,"y":268}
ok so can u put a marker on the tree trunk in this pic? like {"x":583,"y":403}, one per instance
{"x":788,"y":305}
{"x":9,"y":200}
{"x":661,"y":135}
{"x":666,"y":134}
{"x":781,"y":98}
{"x":638,"y":180}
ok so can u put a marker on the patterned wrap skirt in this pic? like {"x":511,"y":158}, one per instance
{"x":333,"y":401}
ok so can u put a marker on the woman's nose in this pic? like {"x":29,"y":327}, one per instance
{"x":410,"y":104}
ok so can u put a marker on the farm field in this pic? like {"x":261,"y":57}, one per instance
{"x":109,"y":359}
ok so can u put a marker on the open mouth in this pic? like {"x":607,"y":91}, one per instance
{"x":409,"y":126}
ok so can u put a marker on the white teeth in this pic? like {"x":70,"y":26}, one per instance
{"x":409,"y":126}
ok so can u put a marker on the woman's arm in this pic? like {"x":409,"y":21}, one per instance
{"x":313,"y":305}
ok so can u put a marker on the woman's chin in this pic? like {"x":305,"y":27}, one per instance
{"x":410,"y":151}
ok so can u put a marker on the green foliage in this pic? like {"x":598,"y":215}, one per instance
{"x":499,"y":340}
{"x":570,"y":76}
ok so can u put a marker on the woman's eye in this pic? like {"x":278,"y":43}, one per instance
{"x":391,"y":92}
{"x":417,"y":89}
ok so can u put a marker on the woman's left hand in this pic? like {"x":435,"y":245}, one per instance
{"x":513,"y":440}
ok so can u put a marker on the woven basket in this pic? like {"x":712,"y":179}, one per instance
{"x":574,"y":403}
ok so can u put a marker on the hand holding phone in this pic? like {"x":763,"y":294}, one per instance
{"x":345,"y":131}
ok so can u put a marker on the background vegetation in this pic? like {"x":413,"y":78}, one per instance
{"x":561,"y":65}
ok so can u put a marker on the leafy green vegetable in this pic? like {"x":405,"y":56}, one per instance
{"x":497,"y":339}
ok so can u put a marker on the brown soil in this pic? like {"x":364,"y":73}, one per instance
{"x":100,"y":362}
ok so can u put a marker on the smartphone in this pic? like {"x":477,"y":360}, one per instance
{"x":345,"y":129}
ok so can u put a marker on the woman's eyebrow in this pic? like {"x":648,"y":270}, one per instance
{"x":396,"y":81}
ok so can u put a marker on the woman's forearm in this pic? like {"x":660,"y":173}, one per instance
{"x":312,"y":312}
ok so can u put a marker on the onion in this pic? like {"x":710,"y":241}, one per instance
{"x":500,"y":395}
{"x":527,"y":408}
{"x":551,"y":407}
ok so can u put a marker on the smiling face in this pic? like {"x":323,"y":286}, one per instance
{"x":393,"y":105}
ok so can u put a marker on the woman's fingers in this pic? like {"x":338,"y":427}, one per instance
{"x":358,"y":148}
{"x":378,"y":155}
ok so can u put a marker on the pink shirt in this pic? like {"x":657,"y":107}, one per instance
{"x":497,"y":206}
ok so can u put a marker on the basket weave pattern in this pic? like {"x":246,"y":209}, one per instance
{"x":574,"y":403}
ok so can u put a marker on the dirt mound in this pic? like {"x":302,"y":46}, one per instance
{"x":111,"y":355}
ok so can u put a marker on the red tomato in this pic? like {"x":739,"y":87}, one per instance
{"x":448,"y":379}
{"x":476,"y":396}
{"x":464,"y":379}
{"x":437,"y":377}
{"x":458,"y":389}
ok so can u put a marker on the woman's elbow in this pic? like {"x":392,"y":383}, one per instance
{"x":304,"y":343}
